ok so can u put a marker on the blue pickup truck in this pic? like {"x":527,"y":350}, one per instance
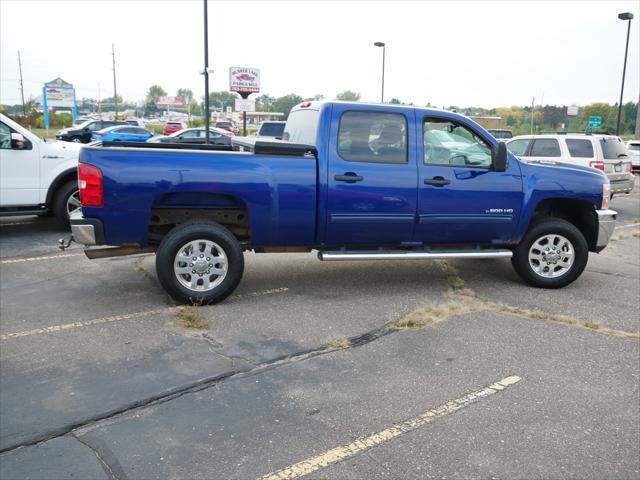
{"x":353,"y":181}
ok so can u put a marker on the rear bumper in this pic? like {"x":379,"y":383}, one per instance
{"x":606,"y":224}
{"x":87,"y":231}
{"x":622,"y":185}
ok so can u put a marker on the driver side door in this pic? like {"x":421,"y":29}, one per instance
{"x":461,"y":198}
{"x":20,"y":172}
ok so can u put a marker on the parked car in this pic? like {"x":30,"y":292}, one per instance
{"x":196,"y":136}
{"x":607,"y":153}
{"x":38,"y":176}
{"x":461,"y":195}
{"x":500,"y":133}
{"x":135,"y":121}
{"x":81,"y":120}
{"x":271,"y":129}
{"x":82,"y":133}
{"x":634,"y":152}
{"x":227,"y":125}
{"x":173,"y":127}
{"x":122,"y":133}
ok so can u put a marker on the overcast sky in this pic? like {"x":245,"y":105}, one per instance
{"x":460,"y":53}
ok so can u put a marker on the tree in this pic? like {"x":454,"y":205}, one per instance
{"x":286,"y":103}
{"x":153,"y":92}
{"x":221,"y":100}
{"x":264,"y":102}
{"x":186,"y":94}
{"x":317,"y":97}
{"x":348,"y":96}
{"x":395,"y":101}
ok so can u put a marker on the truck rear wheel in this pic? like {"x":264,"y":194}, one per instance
{"x":552,"y":254}
{"x":199,"y":262}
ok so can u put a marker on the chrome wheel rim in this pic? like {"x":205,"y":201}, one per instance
{"x":76,"y":140}
{"x":73,"y":202}
{"x":551,"y":256}
{"x":200,"y":265}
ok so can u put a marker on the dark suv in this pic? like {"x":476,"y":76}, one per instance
{"x":82,"y":133}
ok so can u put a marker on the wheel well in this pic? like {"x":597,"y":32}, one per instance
{"x":60,"y":180}
{"x":176,"y":208}
{"x":580,"y":213}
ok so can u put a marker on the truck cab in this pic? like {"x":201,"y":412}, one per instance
{"x":38,"y":176}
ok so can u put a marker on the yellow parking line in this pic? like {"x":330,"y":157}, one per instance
{"x":128,"y":316}
{"x":628,"y":225}
{"x":35,"y":259}
{"x":338,"y":454}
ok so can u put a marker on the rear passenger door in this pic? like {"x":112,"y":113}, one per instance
{"x":545,"y":149}
{"x":372,"y":176}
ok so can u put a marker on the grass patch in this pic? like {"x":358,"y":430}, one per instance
{"x":188,"y":317}
{"x":141,"y":270}
{"x":636,"y":234}
{"x":431,"y":314}
{"x":593,"y":325}
{"x":338,"y":343}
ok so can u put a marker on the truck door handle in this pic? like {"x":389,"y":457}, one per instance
{"x":437,"y":181}
{"x":348,"y":177}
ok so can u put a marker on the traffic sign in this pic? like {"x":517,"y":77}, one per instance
{"x":595,"y":121}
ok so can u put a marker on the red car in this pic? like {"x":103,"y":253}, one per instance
{"x":246,"y":76}
{"x":227,"y":125}
{"x":173,"y":127}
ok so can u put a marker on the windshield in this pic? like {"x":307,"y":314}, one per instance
{"x":613,"y":148}
{"x":634,"y":146}
{"x":302,"y":126}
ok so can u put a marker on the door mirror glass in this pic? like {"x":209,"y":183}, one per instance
{"x":18,"y":142}
{"x":500,"y":157}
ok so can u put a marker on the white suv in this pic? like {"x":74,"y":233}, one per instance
{"x":604,"y":152}
{"x":38,"y":176}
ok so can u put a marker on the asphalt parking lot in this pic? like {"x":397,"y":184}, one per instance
{"x":326,"y":370}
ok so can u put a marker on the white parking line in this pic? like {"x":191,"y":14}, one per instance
{"x":339,"y":454}
{"x":128,"y":316}
{"x":628,"y":226}
{"x":35,"y":259}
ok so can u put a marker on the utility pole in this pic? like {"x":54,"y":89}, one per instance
{"x":638,"y":119}
{"x":24,"y":111}
{"x":626,"y":17}
{"x":533,"y":99}
{"x":115,"y":92}
{"x":206,"y":73}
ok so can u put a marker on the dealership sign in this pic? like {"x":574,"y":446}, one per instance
{"x":244,"y":79}
{"x":58,"y":93}
{"x":170,"y":101}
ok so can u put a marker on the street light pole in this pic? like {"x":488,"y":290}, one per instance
{"x":623,"y":16}
{"x":381,"y":44}
{"x":115,"y":91}
{"x":206,"y":73}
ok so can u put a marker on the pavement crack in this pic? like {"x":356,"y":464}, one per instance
{"x":106,"y":458}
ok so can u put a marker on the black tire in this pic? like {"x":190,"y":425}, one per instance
{"x":551,"y":226}
{"x":60,"y":200}
{"x":181,"y":235}
{"x":76,"y":139}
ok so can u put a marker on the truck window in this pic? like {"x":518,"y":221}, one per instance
{"x":545,"y":147}
{"x":451,"y":143}
{"x":5,"y":137}
{"x":375,"y":137}
{"x":302,"y":126}
{"x":580,"y":148}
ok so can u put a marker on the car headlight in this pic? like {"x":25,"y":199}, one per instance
{"x":606,"y":193}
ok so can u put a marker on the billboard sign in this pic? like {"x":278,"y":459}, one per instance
{"x":595,"y":121}
{"x":244,"y":79}
{"x":572,"y":111}
{"x":59,"y":93}
{"x":170,"y":101}
{"x":248,"y":105}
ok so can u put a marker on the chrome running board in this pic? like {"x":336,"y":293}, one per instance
{"x":339,"y":255}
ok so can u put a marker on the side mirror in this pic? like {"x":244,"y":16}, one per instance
{"x":500,"y":157}
{"x":18,"y":142}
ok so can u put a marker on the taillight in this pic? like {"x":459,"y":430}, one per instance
{"x":100,"y":134}
{"x":90,"y":185}
{"x":597,"y":165}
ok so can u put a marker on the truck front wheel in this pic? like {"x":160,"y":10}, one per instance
{"x":552,"y":254}
{"x":199,"y":262}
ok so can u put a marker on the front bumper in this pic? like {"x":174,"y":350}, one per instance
{"x":87,"y":231}
{"x":606,"y":224}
